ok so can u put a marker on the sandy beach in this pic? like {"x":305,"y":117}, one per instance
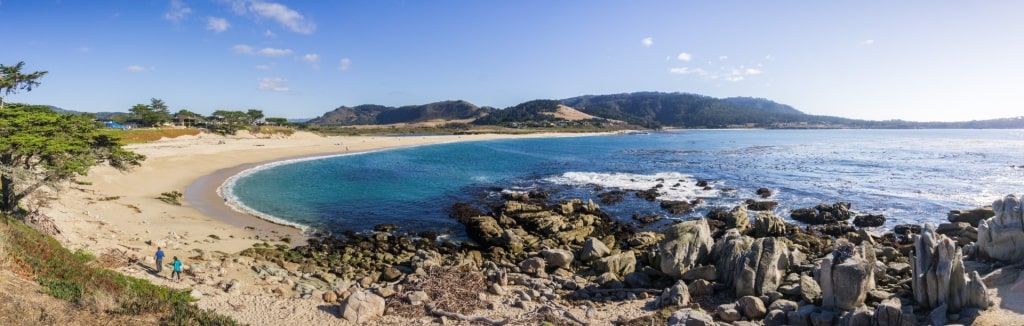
{"x":113,"y":211}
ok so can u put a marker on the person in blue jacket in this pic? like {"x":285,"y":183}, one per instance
{"x":159,"y":260}
{"x":177,"y":269}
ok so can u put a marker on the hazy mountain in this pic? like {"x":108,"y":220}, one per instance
{"x":379,"y":114}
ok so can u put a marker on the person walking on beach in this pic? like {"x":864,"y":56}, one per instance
{"x":159,"y":260}
{"x":176,"y":272}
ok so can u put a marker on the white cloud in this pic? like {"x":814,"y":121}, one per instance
{"x":138,"y":68}
{"x":313,"y":59}
{"x":272,"y":52}
{"x":265,"y":67}
{"x":242,"y":49}
{"x":84,"y":49}
{"x":287,"y":17}
{"x":273,"y":84}
{"x":178,"y":12}
{"x":680,"y":70}
{"x":769,"y":57}
{"x":752,"y":71}
{"x":345,"y":64}
{"x":647,"y":41}
{"x":683,"y":56}
{"x":867,"y":42}
{"x":270,"y":34}
{"x":734,"y":78}
{"x":217,"y":24}
{"x":723,"y":57}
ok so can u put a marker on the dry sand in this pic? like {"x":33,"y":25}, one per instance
{"x":113,"y":210}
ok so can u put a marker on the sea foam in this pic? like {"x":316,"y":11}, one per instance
{"x":675,"y":185}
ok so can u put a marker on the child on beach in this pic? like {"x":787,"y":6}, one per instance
{"x":177,"y":269}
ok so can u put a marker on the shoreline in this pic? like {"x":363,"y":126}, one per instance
{"x":117,"y":210}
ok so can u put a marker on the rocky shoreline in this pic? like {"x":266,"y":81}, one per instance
{"x":557,"y":261}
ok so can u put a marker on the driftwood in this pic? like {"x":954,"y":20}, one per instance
{"x":473,"y":319}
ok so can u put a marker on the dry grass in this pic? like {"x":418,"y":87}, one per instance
{"x":451,"y":288}
{"x":147,"y":135}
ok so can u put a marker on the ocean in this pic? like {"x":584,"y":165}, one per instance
{"x":909,"y":176}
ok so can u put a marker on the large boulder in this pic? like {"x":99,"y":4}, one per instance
{"x":727,"y":254}
{"x":593,"y":249}
{"x":738,"y":219}
{"x":889,"y":313}
{"x":846,"y":276}
{"x":677,"y":295}
{"x":686,"y":245}
{"x":362,"y":307}
{"x":619,"y":264}
{"x":768,"y":225}
{"x":762,"y":268}
{"x":939,"y":277}
{"x":1001,"y":237}
{"x":560,"y":258}
{"x":973,"y":216}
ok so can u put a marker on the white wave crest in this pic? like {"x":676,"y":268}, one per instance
{"x":675,"y":185}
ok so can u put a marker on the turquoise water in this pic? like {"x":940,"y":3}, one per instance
{"x":910,"y":176}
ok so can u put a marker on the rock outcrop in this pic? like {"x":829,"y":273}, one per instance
{"x":823,"y":213}
{"x":939,"y":277}
{"x":762,"y":268}
{"x":362,"y":306}
{"x":846,"y":276}
{"x":1001,"y":237}
{"x":686,"y":245}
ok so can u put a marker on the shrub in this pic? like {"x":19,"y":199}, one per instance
{"x":172,"y":197}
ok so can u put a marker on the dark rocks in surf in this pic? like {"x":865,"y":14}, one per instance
{"x":764,"y":192}
{"x":647,"y":218}
{"x":679,"y":206}
{"x":869,"y":220}
{"x":767,"y":205}
{"x":649,"y":194}
{"x":972,"y":216}
{"x":823,"y":213}
{"x":611,"y":197}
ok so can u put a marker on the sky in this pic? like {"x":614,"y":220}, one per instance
{"x":876,"y":60}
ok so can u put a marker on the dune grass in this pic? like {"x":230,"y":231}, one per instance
{"x":68,"y":275}
{"x":134,"y":136}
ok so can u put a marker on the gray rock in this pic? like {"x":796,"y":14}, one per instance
{"x":809,"y":289}
{"x":727,"y":254}
{"x":690,"y":317}
{"x":701,"y":288}
{"x":619,"y":264}
{"x":939,"y":274}
{"x":708,"y":272}
{"x":776,"y":318}
{"x":938,"y":316}
{"x":738,"y":219}
{"x":972,"y":217}
{"x":532,"y":266}
{"x":593,"y":249}
{"x":751,"y":307}
{"x":783,"y":305}
{"x":801,"y":316}
{"x":362,"y":306}
{"x":860,"y":316}
{"x":686,"y":245}
{"x":638,"y":280}
{"x":889,"y":313}
{"x":677,"y":295}
{"x":762,"y":268}
{"x":823,"y":318}
{"x":560,"y":258}
{"x":769,"y":225}
{"x":1001,"y":237}
{"x":727,"y":313}
{"x":845,"y":282}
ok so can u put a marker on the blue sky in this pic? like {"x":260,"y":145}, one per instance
{"x":912,"y":60}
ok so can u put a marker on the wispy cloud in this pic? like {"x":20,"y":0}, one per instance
{"x":345,"y":64}
{"x":84,"y":49}
{"x":723,"y":57}
{"x":313,"y":59}
{"x":867,"y":42}
{"x":242,"y":49}
{"x":138,"y":68}
{"x":647,"y":41}
{"x":265,"y":66}
{"x":287,"y":17}
{"x":269,"y":34}
{"x":683,"y":56}
{"x":752,"y":71}
{"x":272,"y":52}
{"x":273,"y":84}
{"x":178,"y":11}
{"x":217,"y":24}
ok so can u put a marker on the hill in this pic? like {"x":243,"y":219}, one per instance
{"x":381,"y":115}
{"x":651,"y":109}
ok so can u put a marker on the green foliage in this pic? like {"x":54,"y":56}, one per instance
{"x":229,"y":122}
{"x":13,"y":80}
{"x":277,"y":121}
{"x":172,"y":197}
{"x":66,"y":275}
{"x":152,"y":115}
{"x":41,"y":147}
{"x":532,"y":111}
